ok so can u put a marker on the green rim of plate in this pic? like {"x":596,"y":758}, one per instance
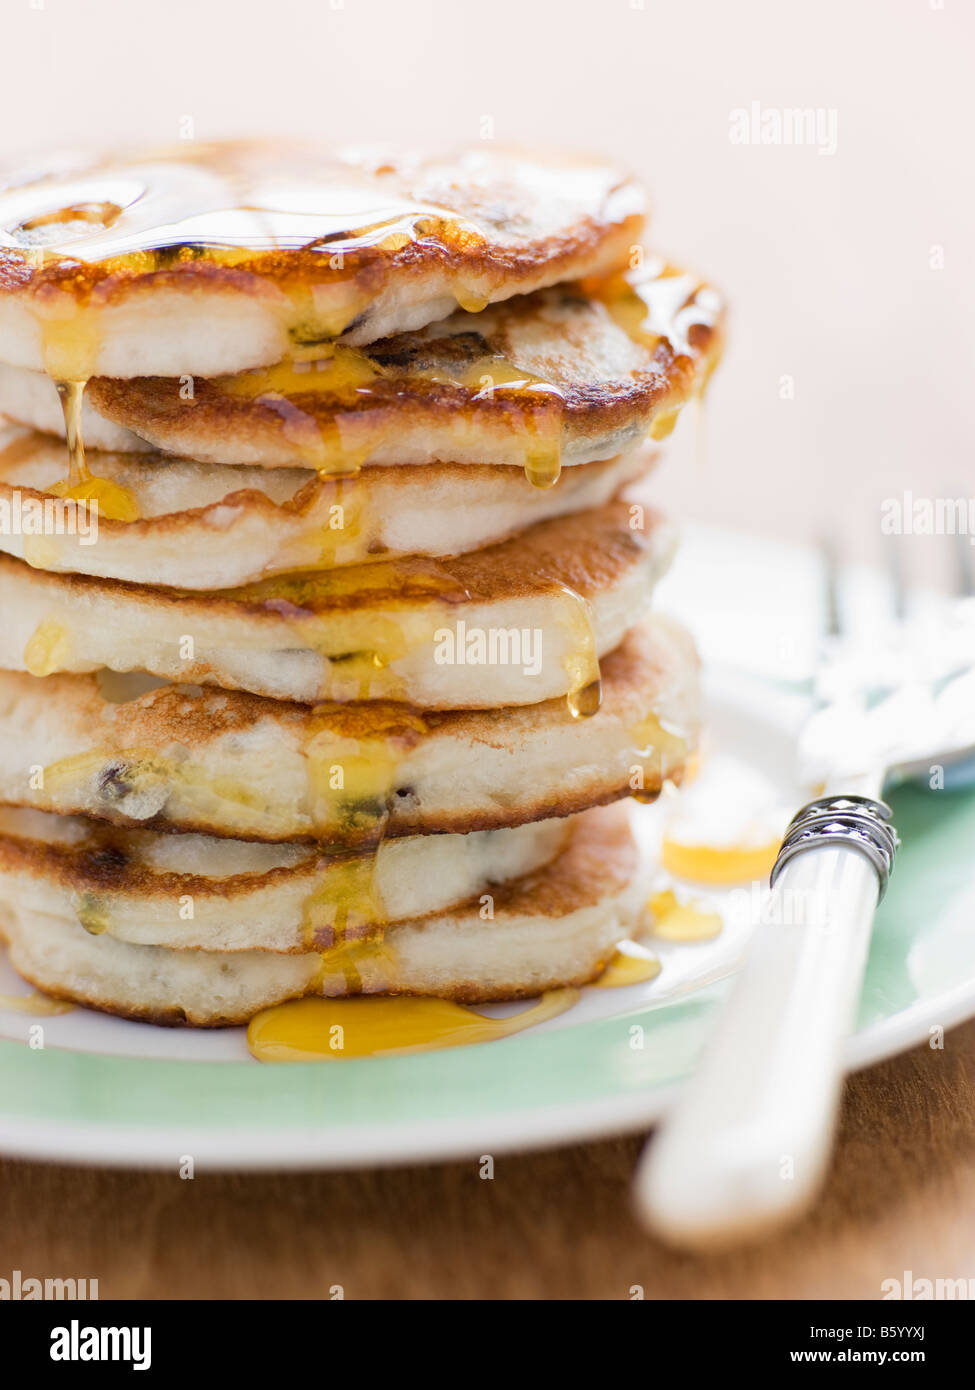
{"x":601,"y":1060}
{"x":590,"y":1061}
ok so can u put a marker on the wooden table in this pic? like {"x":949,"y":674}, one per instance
{"x":549,"y":1226}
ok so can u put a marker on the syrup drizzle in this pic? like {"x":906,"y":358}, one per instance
{"x":719,"y":864}
{"x":228,"y":204}
{"x":111,"y":499}
{"x":304,"y":218}
{"x":348,"y":900}
{"x":726,"y":829}
{"x":47,"y":648}
{"x":327,"y":1030}
{"x":350,"y":785}
{"x":340,"y":1029}
{"x":660,"y":307}
{"x":660,"y":748}
{"x":342,"y":441}
{"x":37,"y":1004}
{"x":630,"y":964}
{"x":585,"y":694}
{"x":71,"y":394}
{"x":673,"y":920}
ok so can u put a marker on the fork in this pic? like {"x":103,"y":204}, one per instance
{"x":746,"y":1147}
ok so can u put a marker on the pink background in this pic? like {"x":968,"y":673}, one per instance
{"x":827,"y":259}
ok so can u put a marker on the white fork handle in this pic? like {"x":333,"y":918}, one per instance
{"x":747,"y":1144}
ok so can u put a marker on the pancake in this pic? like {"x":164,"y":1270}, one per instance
{"x":31,"y":398}
{"x":202,"y":526}
{"x":556,"y":926}
{"x":196,"y":893}
{"x":213,"y":258}
{"x":224,"y":763}
{"x":513,"y":624}
{"x":557,"y":377}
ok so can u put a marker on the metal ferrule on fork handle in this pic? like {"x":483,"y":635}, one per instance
{"x":858,"y":822}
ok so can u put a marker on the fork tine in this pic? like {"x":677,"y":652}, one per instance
{"x":964,"y":571}
{"x":832,"y":609}
{"x":894,"y":562}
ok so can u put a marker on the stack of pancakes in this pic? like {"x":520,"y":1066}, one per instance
{"x":337,"y":700}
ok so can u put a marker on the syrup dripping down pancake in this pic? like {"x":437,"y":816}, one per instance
{"x":515,"y":623}
{"x":197,"y":526}
{"x":554,"y":926}
{"x":223,"y":763}
{"x":214,"y":258}
{"x":132,"y":884}
{"x":561,"y":377}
